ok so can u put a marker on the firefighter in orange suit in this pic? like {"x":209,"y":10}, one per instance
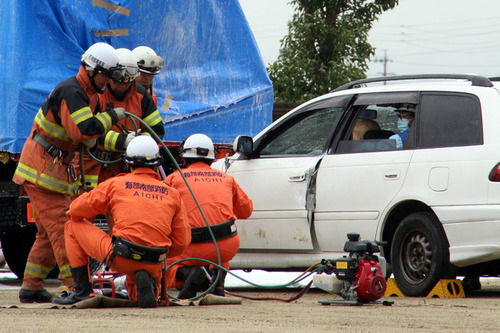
{"x":122,"y":92}
{"x":150,"y":224}
{"x":70,"y":115}
{"x":149,"y":65}
{"x":222,"y":202}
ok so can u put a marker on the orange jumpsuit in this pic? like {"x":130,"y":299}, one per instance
{"x":70,"y":114}
{"x":220,"y":199}
{"x":146,"y":211}
{"x":136,"y":101}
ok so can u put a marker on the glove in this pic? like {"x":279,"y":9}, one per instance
{"x":90,"y":143}
{"x":120,"y":113}
{"x":130,"y":136}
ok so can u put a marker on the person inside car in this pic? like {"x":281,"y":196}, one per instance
{"x":405,"y":120}
{"x":362,"y":126}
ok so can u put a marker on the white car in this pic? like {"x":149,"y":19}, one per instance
{"x":435,"y":201}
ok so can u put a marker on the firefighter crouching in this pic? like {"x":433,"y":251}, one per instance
{"x":222,"y":202}
{"x":150,"y":224}
{"x":71,"y":114}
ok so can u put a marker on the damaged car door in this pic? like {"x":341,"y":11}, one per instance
{"x":278,"y":175}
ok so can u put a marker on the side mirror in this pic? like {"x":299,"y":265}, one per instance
{"x":243,"y":144}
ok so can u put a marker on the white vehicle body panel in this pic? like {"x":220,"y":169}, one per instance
{"x":278,"y":188}
{"x":352,"y":192}
{"x":356,"y":192}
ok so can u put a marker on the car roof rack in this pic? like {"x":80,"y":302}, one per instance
{"x":476,"y":80}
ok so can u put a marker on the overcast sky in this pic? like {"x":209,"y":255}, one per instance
{"x":418,"y":36}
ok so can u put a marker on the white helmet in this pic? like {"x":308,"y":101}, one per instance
{"x":198,"y":146}
{"x":101,"y":57}
{"x":147,"y":60}
{"x":127,"y":59}
{"x":142,"y":151}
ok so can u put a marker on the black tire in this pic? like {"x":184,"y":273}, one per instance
{"x":419,"y":254}
{"x":16,"y":246}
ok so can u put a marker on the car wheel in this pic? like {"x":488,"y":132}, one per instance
{"x":419,"y":254}
{"x":16,"y":246}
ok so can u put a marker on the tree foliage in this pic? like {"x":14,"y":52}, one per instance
{"x":326,"y":46}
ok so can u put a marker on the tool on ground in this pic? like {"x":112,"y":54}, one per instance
{"x":358,"y":277}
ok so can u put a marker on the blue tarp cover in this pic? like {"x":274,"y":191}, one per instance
{"x":213,"y":69}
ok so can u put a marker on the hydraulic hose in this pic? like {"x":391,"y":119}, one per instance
{"x":92,"y":156}
{"x":311,"y":270}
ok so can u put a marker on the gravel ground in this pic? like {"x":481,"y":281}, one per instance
{"x":478,"y":312}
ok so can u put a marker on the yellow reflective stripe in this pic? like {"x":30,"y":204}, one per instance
{"x":81,"y":115}
{"x":46,"y":181}
{"x":65,"y":271}
{"x":53,"y":184}
{"x":110,"y":140}
{"x":91,"y":180}
{"x":26,"y":172}
{"x":36,"y":270}
{"x":51,"y":128}
{"x":153,"y":119}
{"x":74,"y":188}
{"x":105,"y":120}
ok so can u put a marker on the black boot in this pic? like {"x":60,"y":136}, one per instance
{"x":195,"y":278}
{"x":35,"y":296}
{"x":83,"y":287}
{"x":219,"y":287}
{"x":145,"y":289}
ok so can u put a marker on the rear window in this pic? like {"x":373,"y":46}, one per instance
{"x":448,"y":120}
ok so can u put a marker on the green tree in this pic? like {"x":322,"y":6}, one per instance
{"x":326,"y":46}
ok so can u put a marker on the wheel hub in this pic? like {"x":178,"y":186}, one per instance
{"x":417,"y":259}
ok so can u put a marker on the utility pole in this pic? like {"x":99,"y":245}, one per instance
{"x":385,"y":61}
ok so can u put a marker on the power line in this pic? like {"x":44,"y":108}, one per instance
{"x":493,"y":20}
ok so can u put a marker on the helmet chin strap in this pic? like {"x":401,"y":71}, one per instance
{"x":97,"y":89}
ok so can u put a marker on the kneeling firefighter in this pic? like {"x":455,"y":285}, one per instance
{"x":222,"y":201}
{"x":150,"y":224}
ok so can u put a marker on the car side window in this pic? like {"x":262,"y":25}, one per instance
{"x":305,"y":135}
{"x":448,"y":120}
{"x":371,"y":129}
{"x":371,"y":123}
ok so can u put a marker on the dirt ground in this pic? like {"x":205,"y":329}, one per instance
{"x":478,"y":312}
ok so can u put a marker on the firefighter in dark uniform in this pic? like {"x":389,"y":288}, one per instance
{"x":70,"y":115}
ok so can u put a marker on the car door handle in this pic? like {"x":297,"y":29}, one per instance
{"x":300,"y":178}
{"x":392,"y":175}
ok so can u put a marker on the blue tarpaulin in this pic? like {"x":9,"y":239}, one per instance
{"x":213,"y":82}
